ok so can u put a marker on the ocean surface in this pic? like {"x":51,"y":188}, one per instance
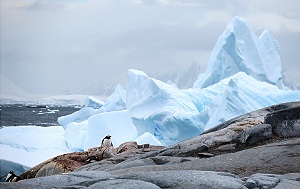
{"x":39,"y":115}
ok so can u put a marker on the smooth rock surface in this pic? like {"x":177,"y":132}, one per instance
{"x":285,"y":122}
{"x":256,"y":134}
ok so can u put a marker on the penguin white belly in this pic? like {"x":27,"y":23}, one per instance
{"x":14,"y":179}
{"x":8,"y":175}
{"x":107,"y":142}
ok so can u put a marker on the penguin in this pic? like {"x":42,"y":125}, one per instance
{"x":12,"y":177}
{"x":106,"y":142}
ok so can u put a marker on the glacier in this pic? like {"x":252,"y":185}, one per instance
{"x":243,"y":75}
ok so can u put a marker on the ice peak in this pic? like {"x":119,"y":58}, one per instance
{"x":238,"y":49}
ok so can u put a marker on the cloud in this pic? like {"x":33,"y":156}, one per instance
{"x":47,"y":45}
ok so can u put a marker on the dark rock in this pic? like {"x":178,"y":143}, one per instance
{"x":192,"y":151}
{"x":255,"y":134}
{"x":143,"y":146}
{"x":286,"y":122}
{"x":160,"y":161}
{"x":250,"y":183}
{"x":169,"y":151}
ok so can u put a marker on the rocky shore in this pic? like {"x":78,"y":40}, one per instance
{"x":260,"y":149}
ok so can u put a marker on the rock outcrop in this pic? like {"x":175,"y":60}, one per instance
{"x":69,"y":162}
{"x":257,"y":150}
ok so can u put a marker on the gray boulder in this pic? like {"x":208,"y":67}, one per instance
{"x":187,"y":179}
{"x":255,"y":134}
{"x":285,"y":122}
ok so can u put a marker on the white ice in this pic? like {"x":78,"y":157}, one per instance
{"x":148,"y":138}
{"x":238,"y":49}
{"x":30,"y":145}
{"x":118,"y":124}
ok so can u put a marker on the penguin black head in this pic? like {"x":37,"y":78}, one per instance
{"x":108,"y":137}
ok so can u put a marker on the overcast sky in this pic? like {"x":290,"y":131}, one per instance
{"x":48,"y":45}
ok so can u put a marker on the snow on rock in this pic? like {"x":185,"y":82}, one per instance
{"x":118,"y":124}
{"x":148,"y":138}
{"x":238,"y":49}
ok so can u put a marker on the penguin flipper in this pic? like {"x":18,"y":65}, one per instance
{"x":102,"y":142}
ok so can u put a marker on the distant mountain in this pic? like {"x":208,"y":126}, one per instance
{"x":10,"y":93}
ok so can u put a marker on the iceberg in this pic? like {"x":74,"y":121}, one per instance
{"x":161,"y":109}
{"x":78,"y":116}
{"x":94,"y":106}
{"x":172,"y":115}
{"x":30,"y":145}
{"x":243,"y":75}
{"x":93,"y":102}
{"x":116,"y":101}
{"x":118,"y":124}
{"x":238,"y":49}
{"x":75,"y":134}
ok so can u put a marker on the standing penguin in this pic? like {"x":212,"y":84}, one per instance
{"x":12,"y":177}
{"x":106,"y":142}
